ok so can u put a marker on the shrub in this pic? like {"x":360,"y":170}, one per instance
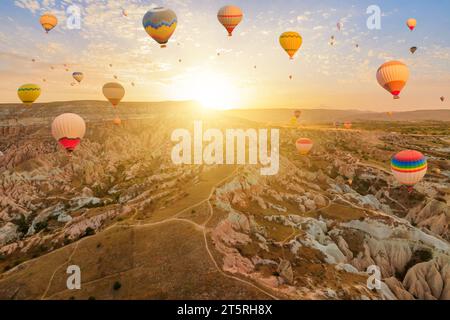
{"x":117,"y":285}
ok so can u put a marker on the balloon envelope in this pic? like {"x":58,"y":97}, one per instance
{"x":304,"y":145}
{"x":413,"y":50}
{"x":411,"y":23}
{"x":291,"y":41}
{"x":409,"y":167}
{"x":114,"y":92}
{"x":48,"y":21}
{"x":78,"y":76}
{"x":160,"y":24}
{"x":230,"y":17}
{"x":68,"y":129}
{"x":393,"y":76}
{"x":348,"y":125}
{"x":29,"y":93}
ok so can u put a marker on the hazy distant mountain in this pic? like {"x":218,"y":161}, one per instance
{"x":328,"y":115}
{"x":97,"y":110}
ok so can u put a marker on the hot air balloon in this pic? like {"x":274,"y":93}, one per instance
{"x":110,"y":65}
{"x":52,"y":68}
{"x":160,"y":24}
{"x":29,"y":93}
{"x":48,"y":21}
{"x":133,"y":84}
{"x":67,"y":70}
{"x":413,"y":50}
{"x":297,"y":114}
{"x":117,"y":121}
{"x":115,"y":77}
{"x":44,"y":80}
{"x":78,"y":76}
{"x":254,"y":67}
{"x":339,"y":25}
{"x":291,"y":41}
{"x":72,"y":84}
{"x":33,"y":60}
{"x":411,"y":23}
{"x":442,"y":98}
{"x":124,"y":13}
{"x":356,"y":46}
{"x":114,"y":92}
{"x":179,"y":60}
{"x":230,"y":17}
{"x":304,"y":145}
{"x":293,"y":121}
{"x":348,"y":125}
{"x":390,"y":113}
{"x":409,"y":167}
{"x":393,"y":76}
{"x":68,"y":129}
{"x":290,"y":77}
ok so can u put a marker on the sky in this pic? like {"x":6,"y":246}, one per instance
{"x":324,"y":76}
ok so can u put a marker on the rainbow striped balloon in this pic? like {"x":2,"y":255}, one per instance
{"x":409,"y":167}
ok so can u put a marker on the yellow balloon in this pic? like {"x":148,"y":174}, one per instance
{"x":291,"y":42}
{"x":48,"y":21}
{"x":28,"y":93}
{"x":160,"y":24}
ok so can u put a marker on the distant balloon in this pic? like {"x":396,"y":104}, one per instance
{"x":293,"y":121}
{"x":115,"y":77}
{"x":291,"y":41}
{"x":110,"y":65}
{"x":348,"y":125}
{"x":254,"y":67}
{"x":160,"y":24}
{"x":72,"y":84}
{"x":339,"y":25}
{"x":409,"y":167}
{"x":133,"y":84}
{"x":411,"y":23}
{"x":67,"y":70}
{"x":297,"y":114}
{"x":179,"y":60}
{"x":117,"y":121}
{"x":78,"y":76}
{"x":124,"y":13}
{"x":33,"y":60}
{"x":356,"y":46}
{"x":393,"y":76}
{"x":290,"y":77}
{"x":230,"y":17}
{"x":114,"y":92}
{"x":390,"y":113}
{"x":48,"y":21}
{"x":304,"y":145}
{"x":413,"y":50}
{"x":44,"y":80}
{"x":68,"y":129}
{"x":52,"y":68}
{"x":29,"y":93}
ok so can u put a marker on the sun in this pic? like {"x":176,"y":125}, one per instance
{"x":214,"y":91}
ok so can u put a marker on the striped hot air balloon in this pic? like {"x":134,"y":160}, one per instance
{"x":291,"y":42}
{"x":29,"y":93}
{"x":78,"y":76}
{"x":114,"y":92}
{"x":230,"y":17}
{"x":160,"y":24}
{"x":393,"y":76}
{"x":409,"y":167}
{"x":304,"y":145}
{"x":48,"y":21}
{"x":68,"y":129}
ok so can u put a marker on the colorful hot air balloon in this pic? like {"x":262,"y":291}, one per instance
{"x":160,"y":24}
{"x":413,"y":50}
{"x":348,"y":125}
{"x":411,"y":23}
{"x":409,"y":167}
{"x":78,"y":76}
{"x":68,"y":129}
{"x":291,"y":41}
{"x":442,"y":98}
{"x":29,"y":93}
{"x":114,"y":92}
{"x":297,"y":114}
{"x":48,"y":22}
{"x":230,"y":17}
{"x":304,"y":145}
{"x":393,"y":76}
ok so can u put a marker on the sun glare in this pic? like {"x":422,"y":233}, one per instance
{"x":214,"y":92}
